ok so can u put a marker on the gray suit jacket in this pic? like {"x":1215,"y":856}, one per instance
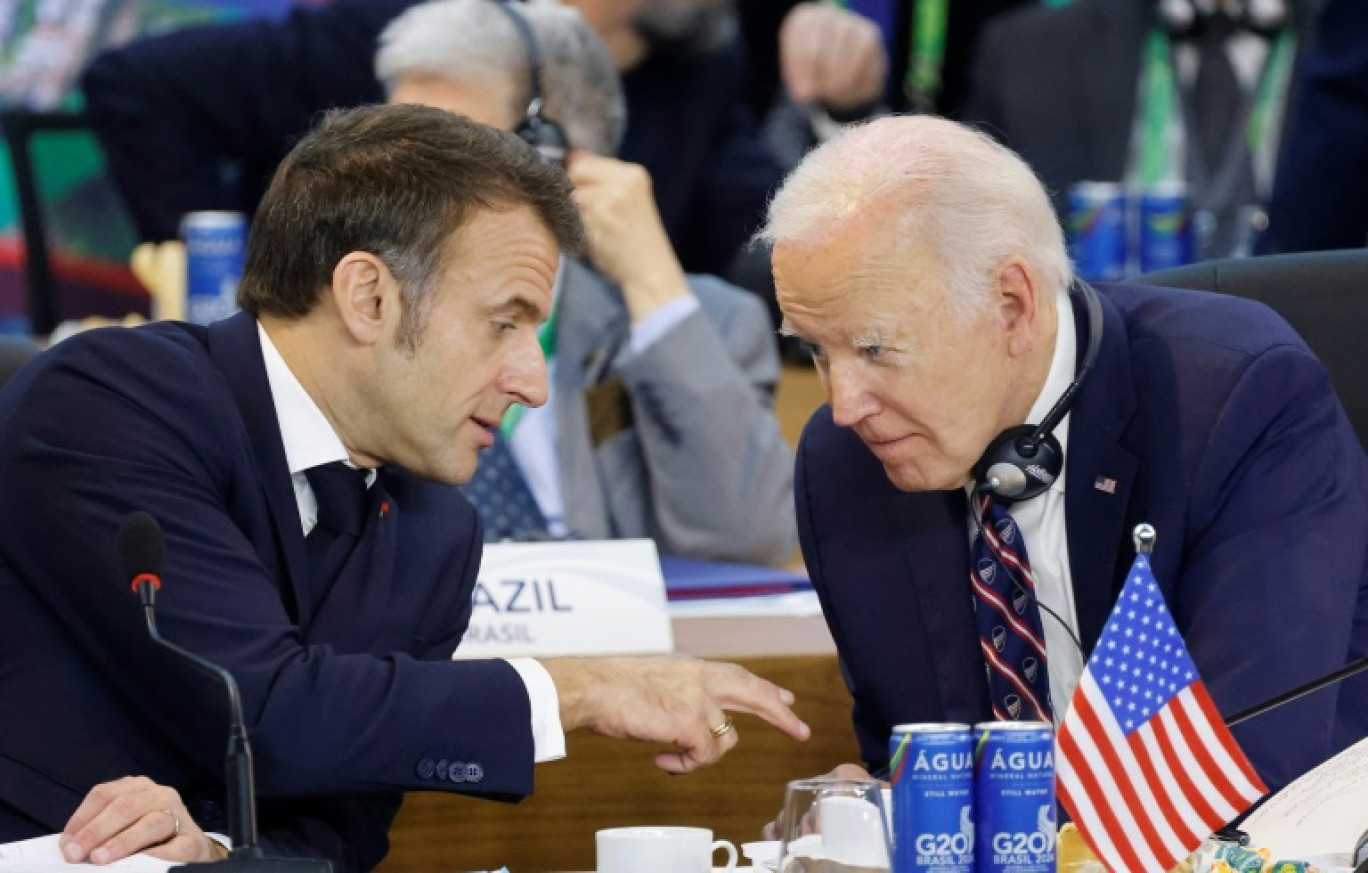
{"x":1059,"y":84}
{"x":680,"y":442}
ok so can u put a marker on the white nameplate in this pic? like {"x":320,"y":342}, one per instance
{"x":598,"y":597}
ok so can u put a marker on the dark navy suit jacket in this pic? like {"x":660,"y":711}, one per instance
{"x":350,"y":698}
{"x":1221,"y":429}
{"x":1320,"y":194}
{"x":199,"y":119}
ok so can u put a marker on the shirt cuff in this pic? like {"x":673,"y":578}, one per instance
{"x":650,"y":329}
{"x":548,"y":738}
{"x":222,"y":840}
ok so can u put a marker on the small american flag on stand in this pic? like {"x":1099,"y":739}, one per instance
{"x":1146,"y":767}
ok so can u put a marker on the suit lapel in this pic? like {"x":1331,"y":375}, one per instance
{"x":1100,"y":475}
{"x":235,"y":349}
{"x":936,"y":547}
{"x":592,"y":323}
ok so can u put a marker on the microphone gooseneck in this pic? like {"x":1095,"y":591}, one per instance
{"x":141,"y":549}
{"x":1272,"y":703}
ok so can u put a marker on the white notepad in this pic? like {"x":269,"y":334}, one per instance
{"x":1322,"y":813}
{"x":41,"y":855}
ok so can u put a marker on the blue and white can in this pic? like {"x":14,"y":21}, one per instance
{"x":215,"y":251}
{"x":1098,"y":231}
{"x":1014,"y":797}
{"x":931,"y":767}
{"x":1166,"y":233}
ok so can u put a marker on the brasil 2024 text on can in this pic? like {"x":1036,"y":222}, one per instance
{"x":931,"y":768}
{"x":1014,"y":797}
{"x":215,"y":250}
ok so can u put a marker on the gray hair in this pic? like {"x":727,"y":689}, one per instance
{"x":970,"y":201}
{"x":457,"y":39}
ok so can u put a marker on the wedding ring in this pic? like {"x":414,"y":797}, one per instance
{"x":175,"y":822}
{"x":723,"y":728}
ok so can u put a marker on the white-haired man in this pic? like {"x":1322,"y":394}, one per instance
{"x":660,"y":420}
{"x":923,"y":264}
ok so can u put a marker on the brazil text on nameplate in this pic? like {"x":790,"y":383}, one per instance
{"x":598,"y":597}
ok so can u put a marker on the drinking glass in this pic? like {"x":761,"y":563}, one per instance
{"x":830,"y":825}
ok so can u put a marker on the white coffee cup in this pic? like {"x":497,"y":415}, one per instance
{"x":659,"y":850}
{"x":853,"y":832}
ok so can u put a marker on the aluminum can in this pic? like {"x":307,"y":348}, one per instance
{"x":1166,"y":232}
{"x":932,"y":771}
{"x":215,"y":251}
{"x":1014,"y":797}
{"x":1098,"y":236}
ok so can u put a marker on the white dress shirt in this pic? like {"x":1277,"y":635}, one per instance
{"x":533,"y":442}
{"x":310,"y":441}
{"x":1042,"y":524}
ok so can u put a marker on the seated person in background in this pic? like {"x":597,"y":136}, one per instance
{"x":922,"y":263}
{"x":1145,"y":91}
{"x":1320,"y":192}
{"x":659,"y":421}
{"x":301,"y":457}
{"x":199,"y":118}
{"x":814,"y":65}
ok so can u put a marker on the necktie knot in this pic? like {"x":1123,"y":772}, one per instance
{"x":341,"y":494}
{"x":997,"y":517}
{"x":1218,"y":27}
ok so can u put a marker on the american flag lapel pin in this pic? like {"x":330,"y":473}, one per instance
{"x":1105,"y":484}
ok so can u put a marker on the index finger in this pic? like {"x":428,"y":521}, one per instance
{"x":800,"y":52}
{"x":740,"y":690}
{"x":586,"y":167}
{"x":94,"y":803}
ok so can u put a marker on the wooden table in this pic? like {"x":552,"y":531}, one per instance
{"x":609,"y":783}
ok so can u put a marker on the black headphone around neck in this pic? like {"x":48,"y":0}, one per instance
{"x":1183,"y":18}
{"x":537,"y":130}
{"x":1026,"y":460}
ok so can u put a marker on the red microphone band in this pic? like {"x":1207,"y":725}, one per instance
{"x":146,"y":577}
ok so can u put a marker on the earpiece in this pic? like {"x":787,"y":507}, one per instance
{"x":537,"y":130}
{"x":1025,"y":460}
{"x":1019,"y":464}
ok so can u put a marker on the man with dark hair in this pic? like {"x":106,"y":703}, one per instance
{"x":300,"y":461}
{"x":659,"y":420}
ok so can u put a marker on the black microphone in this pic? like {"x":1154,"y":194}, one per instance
{"x":1286,"y":697}
{"x":141,"y":548}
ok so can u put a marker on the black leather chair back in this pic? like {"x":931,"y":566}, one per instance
{"x":15,"y":352}
{"x":1323,"y":295}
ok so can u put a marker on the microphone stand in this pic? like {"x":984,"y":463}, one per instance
{"x":1300,"y":691}
{"x":245,"y":856}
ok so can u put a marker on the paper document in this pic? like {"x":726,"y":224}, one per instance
{"x":1322,"y":813}
{"x":41,"y":855}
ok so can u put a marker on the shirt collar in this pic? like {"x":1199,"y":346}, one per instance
{"x":1062,"y":368}
{"x":308,"y":437}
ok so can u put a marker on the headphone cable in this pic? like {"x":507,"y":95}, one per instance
{"x":1017,"y":584}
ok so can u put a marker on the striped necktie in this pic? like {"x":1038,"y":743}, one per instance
{"x":501,"y":494}
{"x":1008,"y":619}
{"x":342,"y":499}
